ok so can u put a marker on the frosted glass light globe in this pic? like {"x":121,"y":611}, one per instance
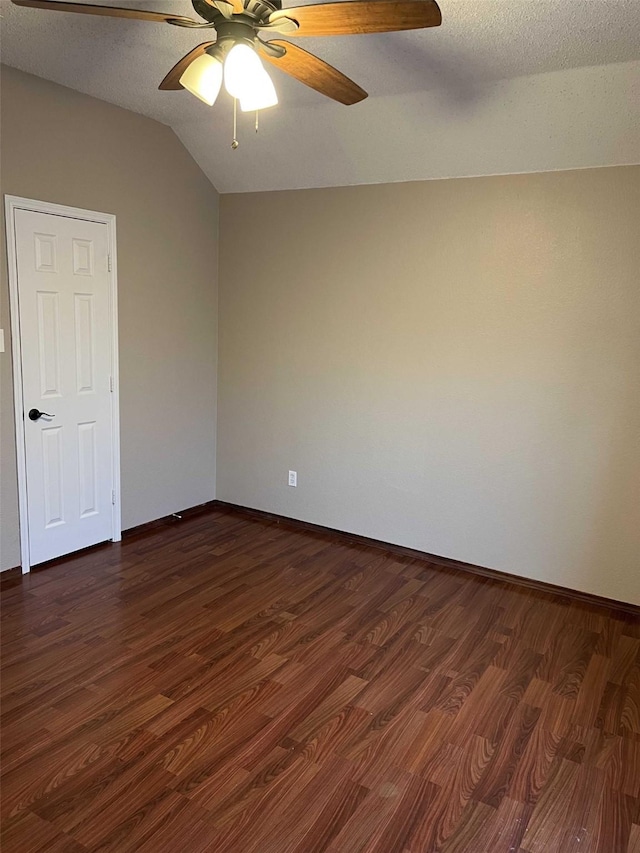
{"x":203,"y":78}
{"x":262,"y":95}
{"x":242,"y":68}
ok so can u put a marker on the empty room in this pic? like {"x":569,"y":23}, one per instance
{"x":320,"y":426}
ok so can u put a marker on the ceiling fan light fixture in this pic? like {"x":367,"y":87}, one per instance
{"x":262,"y":95}
{"x":203,"y":78}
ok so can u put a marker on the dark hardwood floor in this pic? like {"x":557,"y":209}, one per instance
{"x":232,"y":684}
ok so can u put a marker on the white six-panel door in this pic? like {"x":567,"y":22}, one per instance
{"x":63,"y":285}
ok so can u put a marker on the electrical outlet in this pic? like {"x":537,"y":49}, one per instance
{"x":293,"y":478}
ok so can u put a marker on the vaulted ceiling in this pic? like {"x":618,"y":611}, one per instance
{"x":502,"y":86}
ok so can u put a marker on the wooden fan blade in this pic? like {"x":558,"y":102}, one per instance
{"x":238,"y":5}
{"x":223,"y":6}
{"x":109,"y":11}
{"x":316,"y":73}
{"x":172,"y":81}
{"x":362,"y":16}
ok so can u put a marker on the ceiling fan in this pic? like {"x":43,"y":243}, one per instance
{"x":233,"y":55}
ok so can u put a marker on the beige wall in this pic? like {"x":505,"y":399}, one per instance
{"x":451,"y":365}
{"x":62,"y":146}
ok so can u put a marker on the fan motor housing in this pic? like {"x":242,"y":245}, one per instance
{"x":262,"y":8}
{"x":240,"y":29}
{"x":258,"y":10}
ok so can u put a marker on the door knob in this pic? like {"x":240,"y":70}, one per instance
{"x":34,"y":414}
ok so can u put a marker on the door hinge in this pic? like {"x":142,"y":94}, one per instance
{"x":111,"y":384}
{"x":113,"y":496}
{"x":109,"y":262}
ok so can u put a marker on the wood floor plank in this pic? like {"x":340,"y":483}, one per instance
{"x":455,"y":775}
{"x":229,"y":683}
{"x":634,"y":839}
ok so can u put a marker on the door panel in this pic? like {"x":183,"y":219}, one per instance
{"x":52,"y":464}
{"x":65,"y":331}
{"x":48,"y":346}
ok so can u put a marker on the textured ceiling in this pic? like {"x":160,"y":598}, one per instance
{"x":502,"y":86}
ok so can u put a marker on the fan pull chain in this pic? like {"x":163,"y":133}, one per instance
{"x":256,"y":121}
{"x":234,"y":141}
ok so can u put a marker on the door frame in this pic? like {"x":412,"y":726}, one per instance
{"x":11,"y":204}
